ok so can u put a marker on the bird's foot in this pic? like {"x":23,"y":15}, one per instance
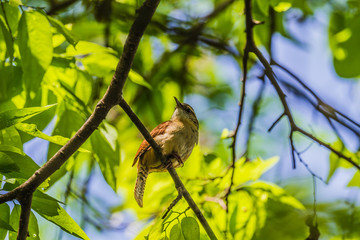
{"x":178,"y":158}
{"x":169,"y":163}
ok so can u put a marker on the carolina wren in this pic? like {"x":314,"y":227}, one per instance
{"x":176,"y":138}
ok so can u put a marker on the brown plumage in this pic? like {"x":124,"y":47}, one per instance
{"x":176,"y":138}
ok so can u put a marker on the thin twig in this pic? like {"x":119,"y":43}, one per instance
{"x":254,"y":114}
{"x":173,"y":203}
{"x":308,"y":168}
{"x":321,"y":106}
{"x":275,"y":122}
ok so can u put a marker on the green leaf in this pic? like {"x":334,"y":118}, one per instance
{"x":15,"y":165}
{"x":4,"y":220}
{"x":7,"y":165}
{"x":14,"y":222}
{"x":10,"y":137}
{"x":11,"y":117}
{"x":84,"y":48}
{"x":100,"y":64}
{"x":49,"y":208}
{"x":32,"y":130}
{"x":15,"y":3}
{"x":107,"y":153}
{"x":263,"y":6}
{"x":355,"y":181}
{"x":265,"y":189}
{"x":63,"y":30}
{"x":9,"y":19}
{"x":12,"y":15}
{"x":225,"y":133}
{"x":252,"y":170}
{"x":33,"y":228}
{"x":344,"y":38}
{"x":138,"y":79}
{"x":190,"y":228}
{"x":208,"y":158}
{"x":10,"y":82}
{"x":232,"y":223}
{"x":8,"y":38}
{"x":337,"y":162}
{"x":175,"y":233}
{"x":35,"y":45}
{"x":283,"y":222}
{"x":282,"y":6}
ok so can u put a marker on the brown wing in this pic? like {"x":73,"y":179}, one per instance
{"x":145,"y":146}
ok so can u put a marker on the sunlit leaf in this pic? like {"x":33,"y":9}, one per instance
{"x":11,"y":117}
{"x":32,"y":130}
{"x":337,"y":162}
{"x":100,"y":64}
{"x":12,"y":14}
{"x":63,"y":30}
{"x":253,"y":169}
{"x":138,"y":79}
{"x":282,"y":6}
{"x":355,"y":181}
{"x":10,"y":137}
{"x":35,"y":45}
{"x":8,"y":38}
{"x":50,"y":209}
{"x":277,"y":193}
{"x":84,"y":48}
{"x":15,"y":165}
{"x":225,"y":133}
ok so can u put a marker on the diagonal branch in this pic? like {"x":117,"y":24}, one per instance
{"x":178,"y":183}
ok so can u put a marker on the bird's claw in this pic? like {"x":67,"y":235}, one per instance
{"x":168,"y":162}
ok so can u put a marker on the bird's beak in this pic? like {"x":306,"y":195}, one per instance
{"x":178,"y":103}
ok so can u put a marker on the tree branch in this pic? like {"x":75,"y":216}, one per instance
{"x":271,"y":76}
{"x":178,"y":183}
{"x":321,"y":106}
{"x":241,"y":109}
{"x":25,"y":201}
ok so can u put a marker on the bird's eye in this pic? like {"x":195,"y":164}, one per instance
{"x":187,"y":110}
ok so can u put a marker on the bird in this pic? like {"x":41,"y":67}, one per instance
{"x":176,"y":138}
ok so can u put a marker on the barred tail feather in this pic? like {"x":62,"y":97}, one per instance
{"x":140,"y":186}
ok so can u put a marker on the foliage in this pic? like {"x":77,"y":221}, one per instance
{"x":54,"y":68}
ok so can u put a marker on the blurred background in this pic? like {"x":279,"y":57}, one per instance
{"x":193,"y":50}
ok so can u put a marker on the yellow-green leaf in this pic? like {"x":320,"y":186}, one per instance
{"x":32,"y":130}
